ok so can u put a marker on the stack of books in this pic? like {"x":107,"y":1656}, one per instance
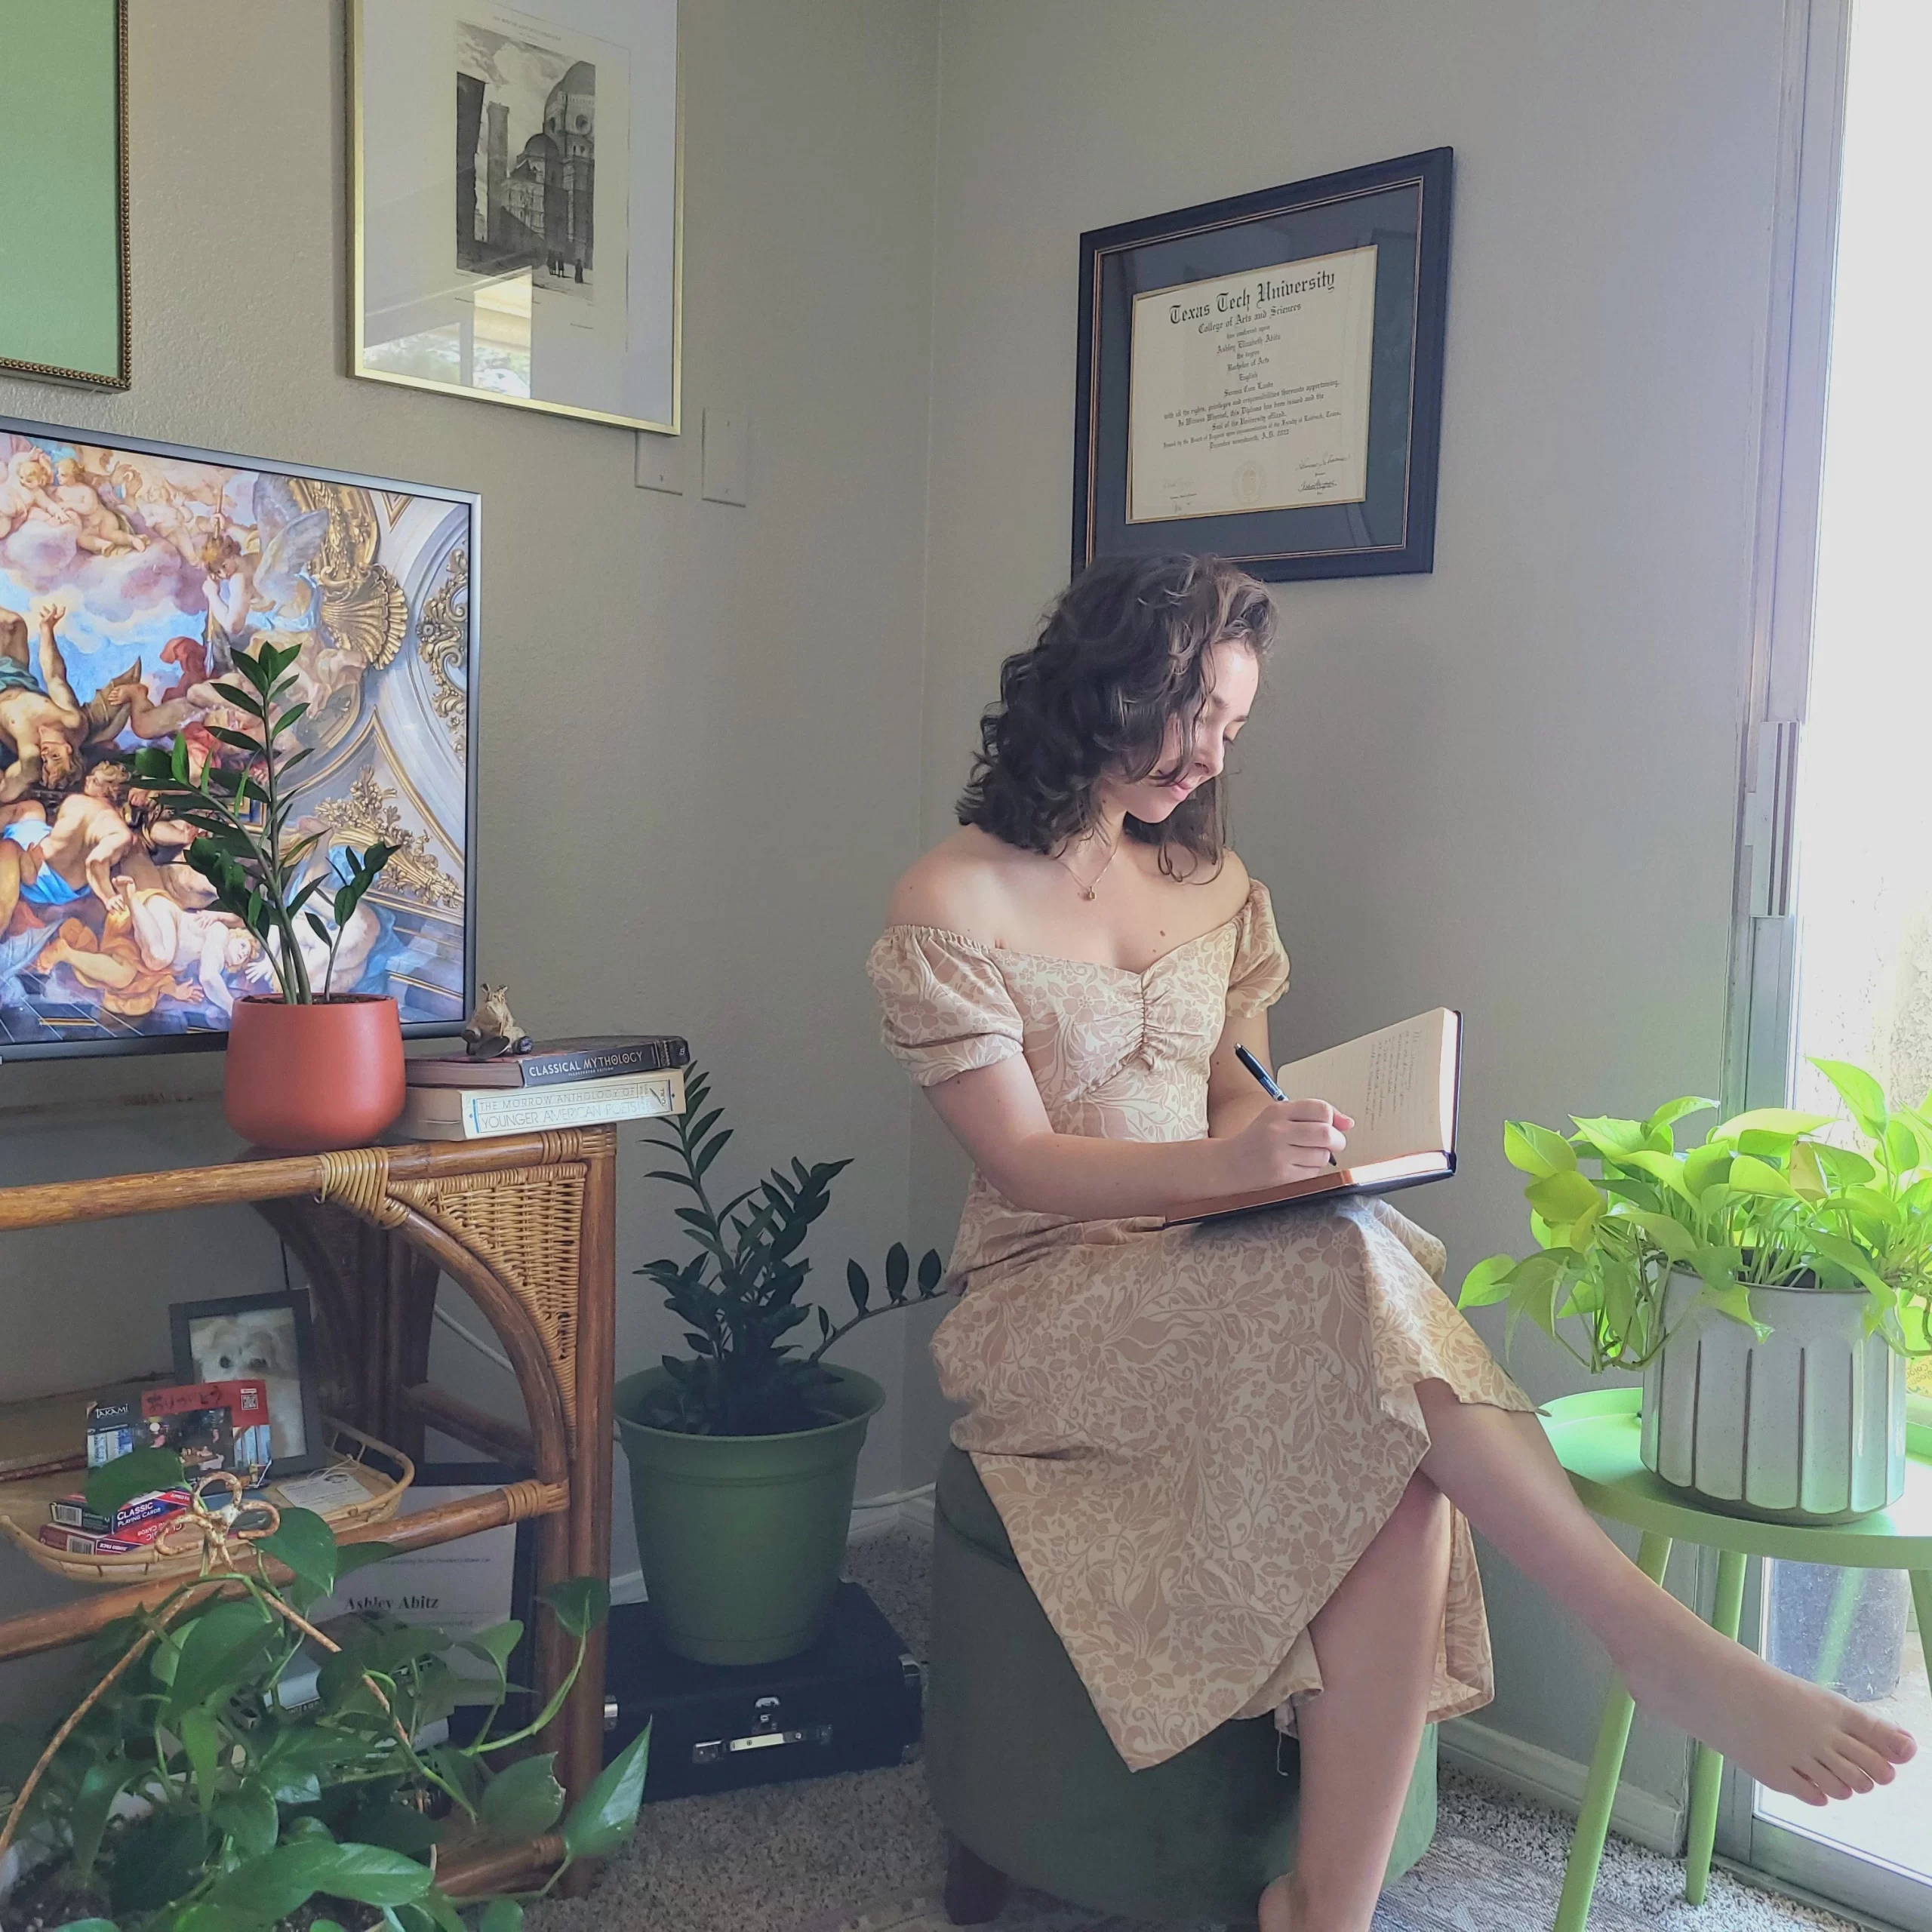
{"x":559,"y":1083}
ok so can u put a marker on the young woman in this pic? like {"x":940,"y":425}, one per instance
{"x":1238,"y":1463}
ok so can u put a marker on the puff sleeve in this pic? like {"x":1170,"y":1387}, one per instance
{"x":945,"y":1006}
{"x":1259,"y":975}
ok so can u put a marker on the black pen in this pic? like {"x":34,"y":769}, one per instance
{"x":1273,"y":1092}
{"x":1260,"y":1073}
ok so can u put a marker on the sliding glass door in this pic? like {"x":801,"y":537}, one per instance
{"x":1837,"y":937}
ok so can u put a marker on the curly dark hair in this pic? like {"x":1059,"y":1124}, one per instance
{"x":1123,"y":649}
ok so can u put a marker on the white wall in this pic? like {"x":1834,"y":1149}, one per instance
{"x":689,"y":806}
{"x":1508,"y":786}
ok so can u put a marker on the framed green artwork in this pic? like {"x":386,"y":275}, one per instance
{"x":64,"y":220}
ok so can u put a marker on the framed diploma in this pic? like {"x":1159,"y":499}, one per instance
{"x":1261,"y":377}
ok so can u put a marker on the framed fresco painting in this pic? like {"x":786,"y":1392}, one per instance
{"x":130,"y":573}
{"x":516,"y":174}
{"x":1261,"y":377}
{"x":63,"y":220}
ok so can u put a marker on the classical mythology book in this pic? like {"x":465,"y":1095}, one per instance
{"x":553,"y":1063}
{"x":467,"y":1113}
{"x":1399,"y":1086}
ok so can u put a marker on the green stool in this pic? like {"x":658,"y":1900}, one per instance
{"x":1027,"y":1781}
{"x":1596,"y":1436}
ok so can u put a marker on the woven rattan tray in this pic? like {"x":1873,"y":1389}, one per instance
{"x":382,"y":1472}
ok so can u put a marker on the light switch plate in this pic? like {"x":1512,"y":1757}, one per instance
{"x":727,"y":456}
{"x":661,"y":462}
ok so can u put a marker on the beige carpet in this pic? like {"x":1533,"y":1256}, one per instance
{"x":865,"y":1854}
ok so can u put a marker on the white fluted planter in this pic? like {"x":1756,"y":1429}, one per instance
{"x":1808,"y":1426}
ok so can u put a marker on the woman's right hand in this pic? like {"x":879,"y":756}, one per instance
{"x":1287,"y":1140}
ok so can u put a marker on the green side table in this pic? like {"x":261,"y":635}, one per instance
{"x":1595,"y":1437}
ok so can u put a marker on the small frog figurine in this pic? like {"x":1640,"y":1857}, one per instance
{"x":491,"y":1031}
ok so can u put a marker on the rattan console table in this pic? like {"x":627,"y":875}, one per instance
{"x":525,"y":1224}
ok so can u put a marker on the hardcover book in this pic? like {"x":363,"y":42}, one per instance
{"x":554,"y":1062}
{"x":1400,"y":1086}
{"x":465,"y":1113}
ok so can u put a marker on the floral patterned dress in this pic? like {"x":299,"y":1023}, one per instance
{"x":1191,"y":1434}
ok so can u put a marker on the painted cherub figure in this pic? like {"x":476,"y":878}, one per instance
{"x":26,"y":486}
{"x":100,"y":525}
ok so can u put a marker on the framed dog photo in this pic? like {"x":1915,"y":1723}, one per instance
{"x":270,"y":1338}
{"x":1261,"y":377}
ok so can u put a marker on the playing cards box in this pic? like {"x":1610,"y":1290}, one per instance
{"x":156,"y":1505}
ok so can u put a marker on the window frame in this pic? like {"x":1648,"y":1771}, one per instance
{"x":1761,"y":1008}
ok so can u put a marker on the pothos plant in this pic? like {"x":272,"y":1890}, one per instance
{"x":1764,"y":1200}
{"x":239,"y":812}
{"x":192,"y":1790}
{"x":738,"y":1293}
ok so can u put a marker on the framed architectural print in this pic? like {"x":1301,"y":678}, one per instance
{"x":63,"y":219}
{"x":130,"y":572}
{"x":1262,"y":377}
{"x":516,"y":176}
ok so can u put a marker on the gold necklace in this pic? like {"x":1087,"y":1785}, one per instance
{"x":1086,"y":891}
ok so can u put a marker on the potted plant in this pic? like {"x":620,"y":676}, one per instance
{"x":1770,"y":1283}
{"x":194,"y":1788}
{"x":308,"y":1067}
{"x":743,"y":1455}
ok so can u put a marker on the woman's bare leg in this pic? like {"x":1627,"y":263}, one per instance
{"x":1376,"y":1639}
{"x":1497,"y":1466}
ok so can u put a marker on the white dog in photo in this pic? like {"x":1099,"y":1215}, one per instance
{"x":257,"y":1343}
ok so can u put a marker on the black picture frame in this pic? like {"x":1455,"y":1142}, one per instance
{"x":461,"y":650}
{"x":1402,"y":207}
{"x":192,"y":1364}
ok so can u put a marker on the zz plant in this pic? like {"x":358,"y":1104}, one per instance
{"x":738,"y":1293}
{"x":192,"y":1791}
{"x":1763,"y":1200}
{"x":240,"y":814}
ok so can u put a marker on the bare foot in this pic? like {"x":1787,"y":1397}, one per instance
{"x":1797,"y":1737}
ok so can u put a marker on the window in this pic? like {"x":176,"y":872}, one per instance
{"x":1835,"y":935}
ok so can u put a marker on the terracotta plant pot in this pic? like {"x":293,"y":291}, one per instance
{"x":302,"y":1079}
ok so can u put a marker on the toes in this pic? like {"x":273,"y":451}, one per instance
{"x":1875,"y":1764}
{"x":1896,"y":1746}
{"x":1849,"y":1771}
{"x":1820,"y":1772}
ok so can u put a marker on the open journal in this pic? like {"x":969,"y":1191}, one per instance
{"x":1399,"y":1086}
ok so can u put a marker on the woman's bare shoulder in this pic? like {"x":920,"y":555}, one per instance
{"x":1234,"y":881}
{"x":959,"y":886}
{"x":1229,"y":885}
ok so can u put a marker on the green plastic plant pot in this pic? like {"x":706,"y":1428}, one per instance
{"x":741,"y":1538}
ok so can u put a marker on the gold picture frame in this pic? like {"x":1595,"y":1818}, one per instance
{"x":68,"y":203}
{"x":510,"y":300}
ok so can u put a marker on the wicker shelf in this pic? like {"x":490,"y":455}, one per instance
{"x":525,"y":1225}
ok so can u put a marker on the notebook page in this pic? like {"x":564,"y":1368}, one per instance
{"x":1397,"y":1084}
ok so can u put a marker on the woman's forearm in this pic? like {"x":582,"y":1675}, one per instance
{"x":1091,"y":1179}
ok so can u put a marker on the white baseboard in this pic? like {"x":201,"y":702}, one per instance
{"x":916,"y":1514}
{"x":1641,"y":1815}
